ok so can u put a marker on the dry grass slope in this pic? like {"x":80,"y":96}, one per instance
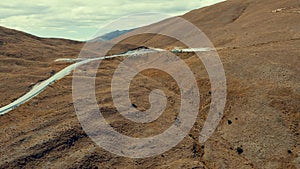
{"x":260,"y":129}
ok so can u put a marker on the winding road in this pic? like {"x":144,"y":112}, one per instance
{"x":38,"y":88}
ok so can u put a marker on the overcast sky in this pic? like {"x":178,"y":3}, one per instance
{"x":79,"y":20}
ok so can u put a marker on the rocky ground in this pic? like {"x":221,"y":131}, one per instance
{"x":259,"y":45}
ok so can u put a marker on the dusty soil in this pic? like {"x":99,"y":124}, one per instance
{"x":260,"y":52}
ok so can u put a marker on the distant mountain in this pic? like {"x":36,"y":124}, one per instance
{"x":114,"y":34}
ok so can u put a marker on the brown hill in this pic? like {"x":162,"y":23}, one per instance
{"x":258,"y":43}
{"x":26,"y":60}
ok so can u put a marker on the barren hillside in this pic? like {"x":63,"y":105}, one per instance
{"x":259,"y":46}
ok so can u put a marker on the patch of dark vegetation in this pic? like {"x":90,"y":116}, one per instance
{"x":107,"y":111}
{"x":65,"y":140}
{"x":14,"y":55}
{"x":140,"y":47}
{"x":91,"y":161}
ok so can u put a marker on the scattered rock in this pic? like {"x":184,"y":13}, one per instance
{"x":134,"y":105}
{"x":196,"y":150}
{"x":278,"y":10}
{"x":239,"y":150}
{"x":229,"y":122}
{"x":52,"y":72}
{"x":290,"y":152}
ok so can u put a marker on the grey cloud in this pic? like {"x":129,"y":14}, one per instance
{"x":9,"y":11}
{"x":77,"y":15}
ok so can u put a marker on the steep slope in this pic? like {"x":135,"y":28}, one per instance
{"x":259,"y":46}
{"x":248,"y":22}
{"x":236,"y":23}
{"x":26,"y":59}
